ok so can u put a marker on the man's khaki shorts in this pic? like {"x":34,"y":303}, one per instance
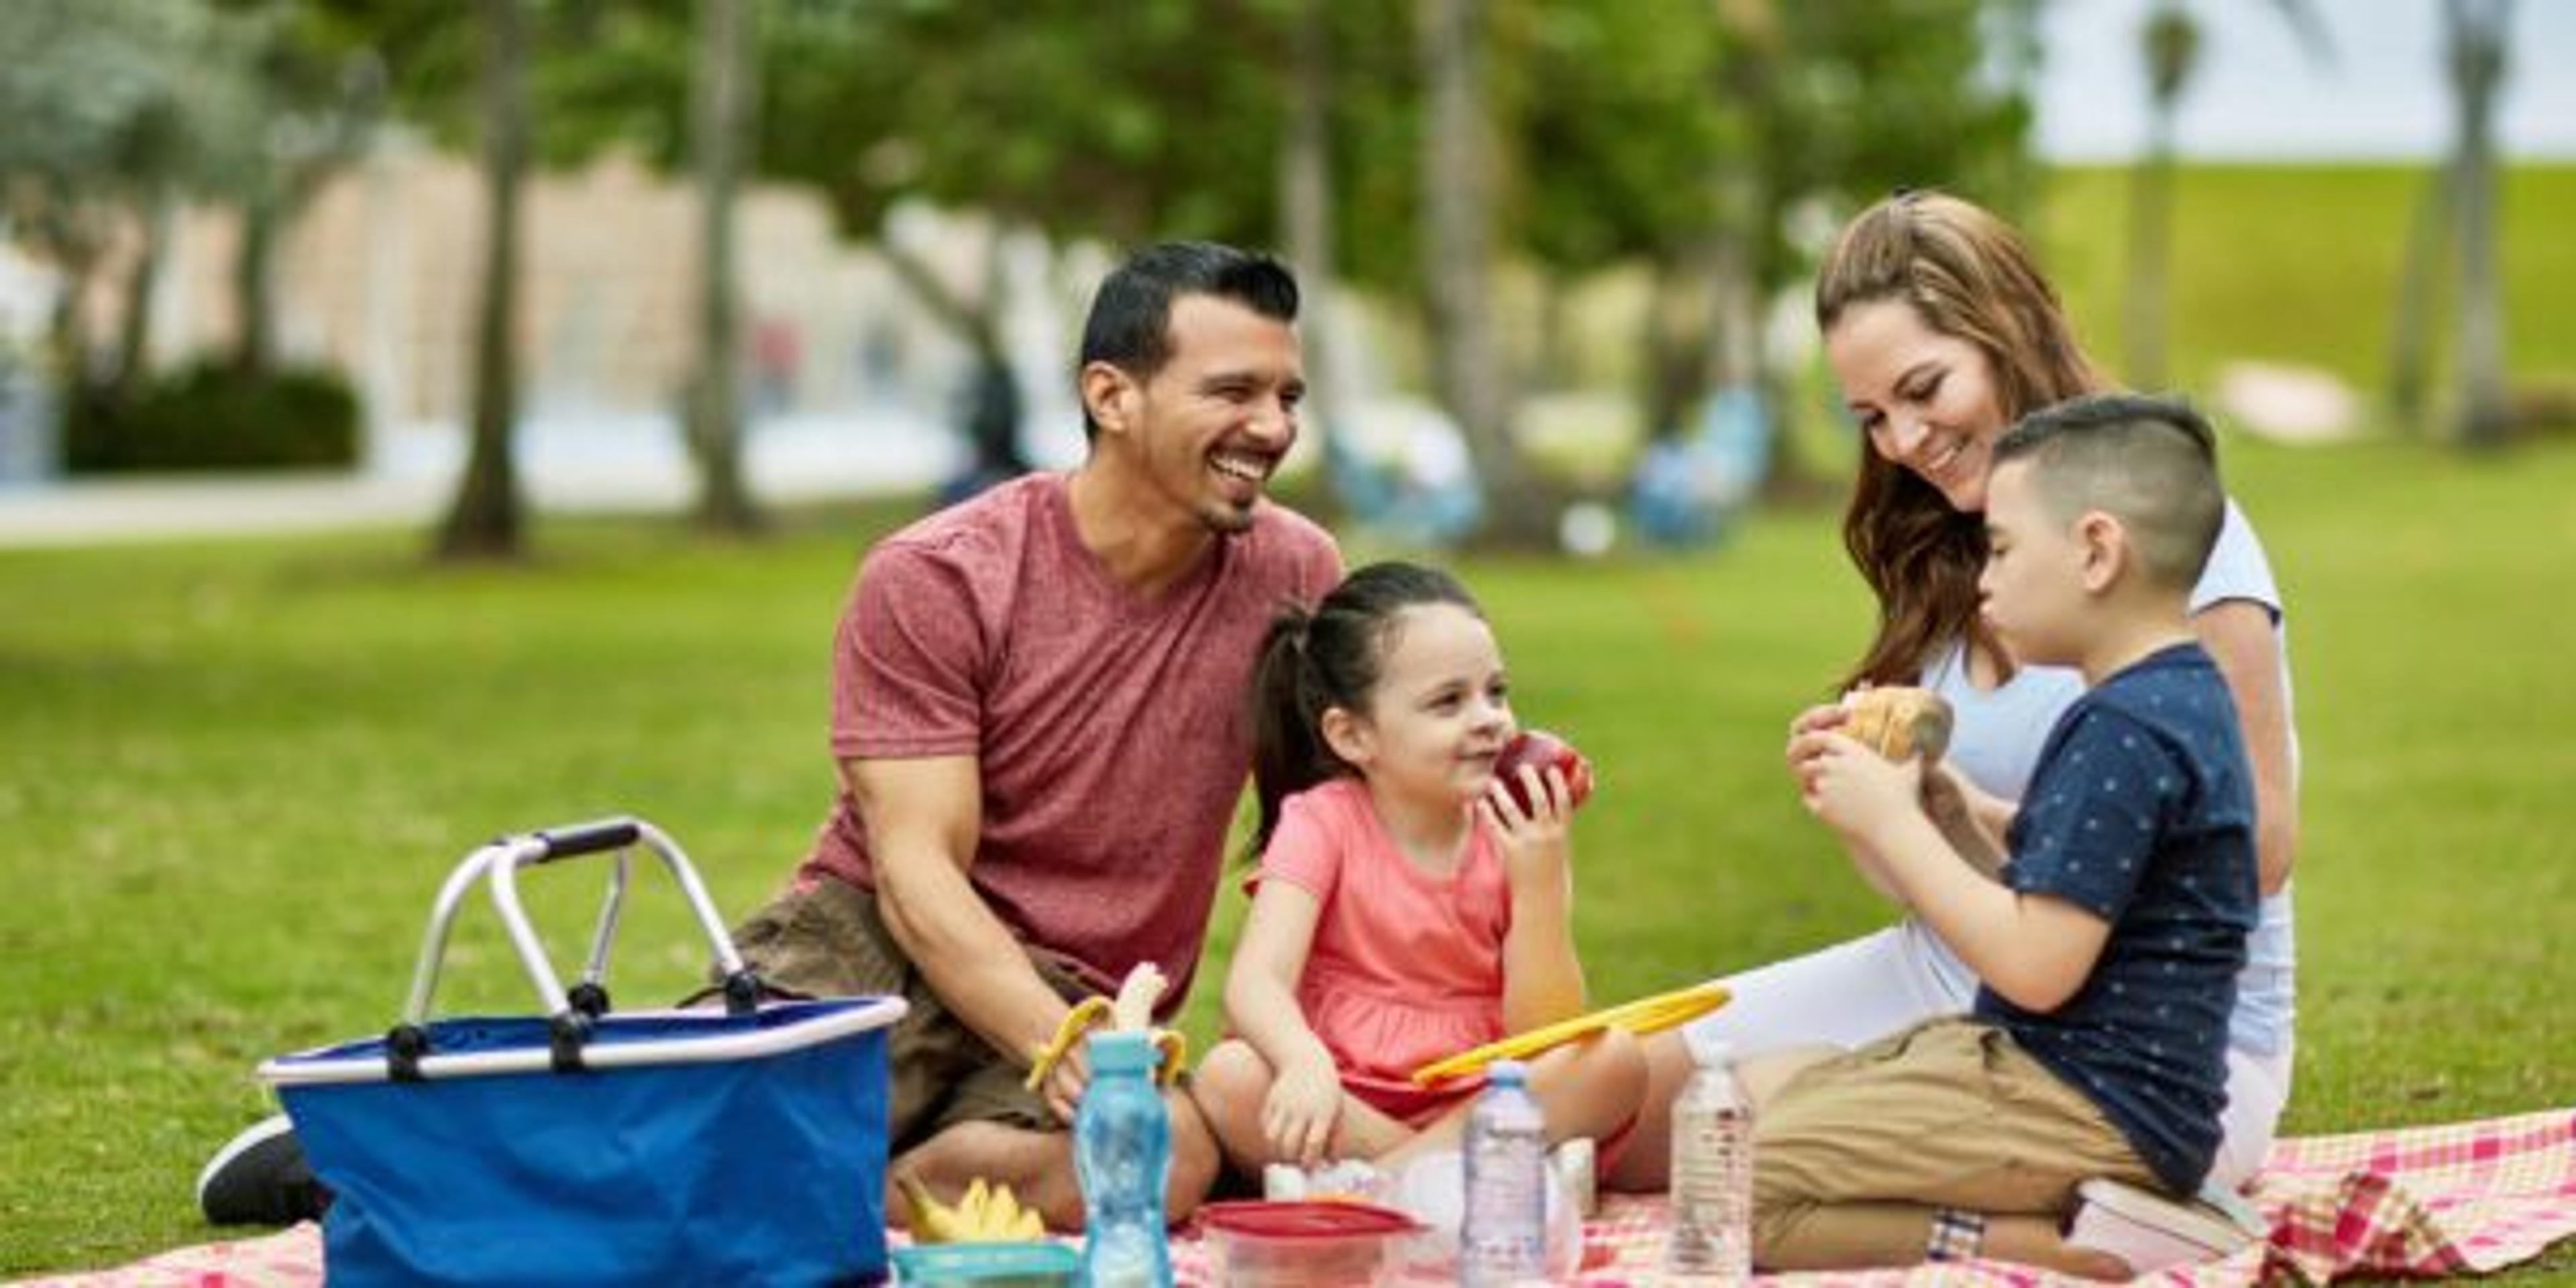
{"x":823,"y":938}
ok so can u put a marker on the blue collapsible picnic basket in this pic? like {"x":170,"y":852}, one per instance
{"x":739,"y":1146}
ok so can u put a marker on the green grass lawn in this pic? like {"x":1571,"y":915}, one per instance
{"x":2302,"y":263}
{"x":231,"y":778}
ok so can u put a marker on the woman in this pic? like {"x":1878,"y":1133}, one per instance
{"x":1942,"y":333}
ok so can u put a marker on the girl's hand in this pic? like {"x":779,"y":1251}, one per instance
{"x":1298,"y":1116}
{"x":1534,"y":844}
{"x":1856,"y":791}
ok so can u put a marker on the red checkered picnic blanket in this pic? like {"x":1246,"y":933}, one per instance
{"x":2457,"y":1198}
{"x":2460,"y":1198}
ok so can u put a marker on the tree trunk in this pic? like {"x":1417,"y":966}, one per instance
{"x":1306,"y":218}
{"x":1677,"y":346}
{"x":722,"y":113}
{"x":1457,"y":233}
{"x":2150,"y":246}
{"x":254,"y":296}
{"x":2477,"y":48}
{"x":2410,"y":345}
{"x":993,"y":418}
{"x":2172,"y":45}
{"x":134,"y":342}
{"x":485,"y":521}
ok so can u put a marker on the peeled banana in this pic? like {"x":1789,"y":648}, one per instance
{"x":1132,"y":1010}
{"x":984,"y":1214}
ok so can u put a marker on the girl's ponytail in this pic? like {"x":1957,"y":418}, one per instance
{"x":1288,"y":703}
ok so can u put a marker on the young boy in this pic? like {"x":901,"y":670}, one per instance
{"x":2108,"y":943}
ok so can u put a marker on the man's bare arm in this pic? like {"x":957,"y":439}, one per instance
{"x":924,"y":820}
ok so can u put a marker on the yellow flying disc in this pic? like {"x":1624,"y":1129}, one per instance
{"x":1645,"y":1015}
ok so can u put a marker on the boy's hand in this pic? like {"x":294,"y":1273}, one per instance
{"x":1815,"y":719}
{"x":1534,"y":843}
{"x":1856,"y":791}
{"x":1298,"y":1116}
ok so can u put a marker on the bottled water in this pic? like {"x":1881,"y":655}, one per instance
{"x":1505,"y":1239}
{"x":1712,"y":1176}
{"x":1122,"y":1154}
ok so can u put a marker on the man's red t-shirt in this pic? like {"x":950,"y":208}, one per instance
{"x":1111,"y":730}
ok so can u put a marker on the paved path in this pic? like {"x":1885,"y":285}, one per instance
{"x":596,"y":465}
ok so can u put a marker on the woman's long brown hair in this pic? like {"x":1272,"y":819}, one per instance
{"x":1966,"y":274}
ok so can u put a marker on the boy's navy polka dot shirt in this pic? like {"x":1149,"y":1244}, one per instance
{"x":2141,"y":812}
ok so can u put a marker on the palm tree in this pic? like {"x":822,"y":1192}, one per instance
{"x":2171,"y":40}
{"x":2171,"y":44}
{"x":2477,"y":30}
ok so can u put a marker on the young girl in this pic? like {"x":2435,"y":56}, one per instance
{"x":1405,"y":907}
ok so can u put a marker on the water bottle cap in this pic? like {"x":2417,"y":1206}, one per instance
{"x":1121,"y":1051}
{"x":1507,"y":1073}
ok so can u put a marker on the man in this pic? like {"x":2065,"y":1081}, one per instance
{"x":1039,"y":714}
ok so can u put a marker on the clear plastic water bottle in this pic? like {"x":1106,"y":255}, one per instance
{"x":1505,"y":1239}
{"x":1122,"y":1154}
{"x":1712,"y":1179}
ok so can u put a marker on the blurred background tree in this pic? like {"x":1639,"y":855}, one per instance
{"x":2169,"y":42}
{"x":2476,"y":31}
{"x":123,"y":109}
{"x":1469,"y":169}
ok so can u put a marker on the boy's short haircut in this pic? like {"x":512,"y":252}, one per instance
{"x":2151,"y":463}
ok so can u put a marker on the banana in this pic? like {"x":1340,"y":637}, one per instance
{"x":1008,"y":1220}
{"x":1085,"y":1015}
{"x":1133,"y":1008}
{"x":1175,"y":1048}
{"x":984,"y":1214}
{"x":1131,"y":1011}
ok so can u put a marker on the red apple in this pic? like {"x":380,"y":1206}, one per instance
{"x":1538,"y":749}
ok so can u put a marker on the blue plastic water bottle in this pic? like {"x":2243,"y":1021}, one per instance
{"x":1122,"y":1153}
{"x":1505,"y":1239}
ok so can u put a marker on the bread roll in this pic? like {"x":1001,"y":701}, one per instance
{"x":1897,"y":721}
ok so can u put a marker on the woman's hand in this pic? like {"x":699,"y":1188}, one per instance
{"x":1535,"y":845}
{"x":1961,"y":811}
{"x":1297,"y":1117}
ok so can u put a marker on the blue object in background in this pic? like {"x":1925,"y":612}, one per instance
{"x":1396,"y":498}
{"x":1688,"y":490}
{"x":1122,"y":1155}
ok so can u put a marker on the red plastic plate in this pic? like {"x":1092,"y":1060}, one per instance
{"x":1265,"y":1220}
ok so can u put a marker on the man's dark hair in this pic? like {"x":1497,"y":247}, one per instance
{"x":1130,"y":326}
{"x":2152,"y":463}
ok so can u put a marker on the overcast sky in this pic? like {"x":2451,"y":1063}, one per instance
{"x":2257,"y":94}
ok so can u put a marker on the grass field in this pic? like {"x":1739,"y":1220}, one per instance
{"x":2303,"y":264}
{"x":232,"y":777}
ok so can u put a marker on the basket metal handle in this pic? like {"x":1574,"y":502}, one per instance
{"x":496,"y":865}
